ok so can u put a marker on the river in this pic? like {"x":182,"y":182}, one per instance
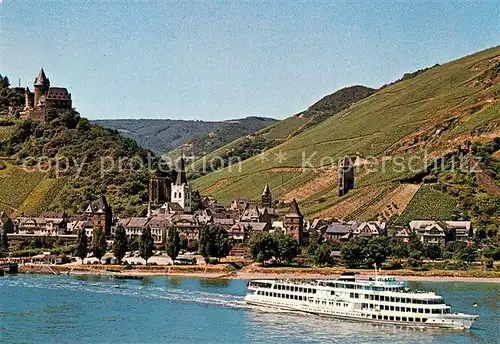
{"x":98,"y":309}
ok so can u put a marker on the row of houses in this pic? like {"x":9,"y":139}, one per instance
{"x":428,"y":232}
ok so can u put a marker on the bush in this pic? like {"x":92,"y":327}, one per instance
{"x":127,"y":267}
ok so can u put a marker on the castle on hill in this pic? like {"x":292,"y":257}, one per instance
{"x":44,"y":98}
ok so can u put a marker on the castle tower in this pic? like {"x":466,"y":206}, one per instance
{"x":346,"y":175}
{"x":41,"y":85}
{"x":294,"y":222}
{"x":102,"y":216}
{"x":181,"y":190}
{"x":28,"y":99}
{"x":266,"y":198}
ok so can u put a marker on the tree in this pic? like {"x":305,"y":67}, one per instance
{"x":146,"y":244}
{"x":288,"y":247}
{"x":99,"y":245}
{"x":432,"y":251}
{"x":375,"y":250}
{"x":415,"y":259}
{"x":400,"y":250}
{"x":323,"y":254}
{"x":352,"y":254}
{"x":4,"y":243}
{"x":263,"y":247}
{"x":173,"y":245}
{"x":133,"y":245}
{"x":214,"y":242}
{"x":196,"y":201}
{"x":120,"y":244}
{"x":466,"y":254}
{"x":415,"y":244}
{"x":223,"y":243}
{"x":81,"y":245}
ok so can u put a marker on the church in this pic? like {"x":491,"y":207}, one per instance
{"x":44,"y":98}
{"x":180,"y":191}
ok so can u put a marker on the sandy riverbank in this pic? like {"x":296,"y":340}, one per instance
{"x":251,"y":272}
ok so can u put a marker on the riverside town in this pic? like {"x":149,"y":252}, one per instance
{"x":260,"y":172}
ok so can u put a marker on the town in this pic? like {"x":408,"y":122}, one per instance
{"x":244,"y":222}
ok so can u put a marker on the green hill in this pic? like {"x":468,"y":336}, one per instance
{"x":194,"y":137}
{"x":57,"y":165}
{"x":277,"y":133}
{"x":424,"y":115}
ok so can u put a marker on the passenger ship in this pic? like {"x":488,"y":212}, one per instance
{"x":381,"y":300}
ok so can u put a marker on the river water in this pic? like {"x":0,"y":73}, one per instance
{"x":98,"y":309}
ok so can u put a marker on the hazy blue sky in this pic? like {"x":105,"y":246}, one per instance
{"x":221,"y":60}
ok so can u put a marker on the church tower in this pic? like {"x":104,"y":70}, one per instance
{"x":181,"y":190}
{"x":266,"y":198}
{"x":41,"y":85}
{"x":294,"y":223}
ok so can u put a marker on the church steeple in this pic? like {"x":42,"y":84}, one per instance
{"x":181,"y":173}
{"x":181,"y":190}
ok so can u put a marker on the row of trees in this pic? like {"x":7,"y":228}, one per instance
{"x":121,"y":245}
{"x":360,"y":252}
{"x":214,"y":242}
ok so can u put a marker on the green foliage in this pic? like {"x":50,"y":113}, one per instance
{"x":415,"y":259}
{"x":400,"y":249}
{"x":146,"y":244}
{"x":214,"y":242}
{"x":335,"y":102}
{"x":4,"y":243}
{"x":173,"y":245}
{"x":365,"y":251}
{"x":432,"y":251}
{"x":263,"y":247}
{"x":352,"y":254}
{"x":99,"y":245}
{"x":81,"y":149}
{"x":323,"y":254}
{"x":429,"y":203}
{"x":196,"y":137}
{"x":81,"y":245}
{"x":288,"y":248}
{"x":466,"y":254}
{"x":133,"y":244}
{"x":120,"y":243}
{"x":196,"y":203}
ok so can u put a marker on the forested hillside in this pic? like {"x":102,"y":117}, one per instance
{"x":195,"y":137}
{"x":67,"y":162}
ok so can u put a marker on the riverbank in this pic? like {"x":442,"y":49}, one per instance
{"x":227,"y":271}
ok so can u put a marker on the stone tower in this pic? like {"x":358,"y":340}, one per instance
{"x":294,"y":223}
{"x":181,"y":190}
{"x":266,"y":198}
{"x":102,"y":215}
{"x":346,"y":175}
{"x":158,"y":189}
{"x":41,"y":85}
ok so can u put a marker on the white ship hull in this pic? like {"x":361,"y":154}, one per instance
{"x":325,"y":301}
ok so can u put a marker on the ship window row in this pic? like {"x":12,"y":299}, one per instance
{"x":295,"y":288}
{"x":282,"y":296}
{"x":406,"y":309}
{"x":392,"y":318}
{"x":361,"y":286}
{"x":403,"y":299}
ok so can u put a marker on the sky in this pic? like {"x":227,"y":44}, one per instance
{"x":217,"y":60}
